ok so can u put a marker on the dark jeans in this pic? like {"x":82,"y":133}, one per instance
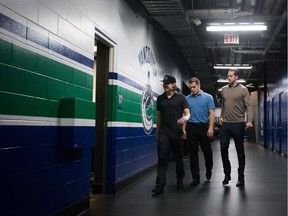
{"x":236,"y":131}
{"x":164,"y":141}
{"x":197,"y":134}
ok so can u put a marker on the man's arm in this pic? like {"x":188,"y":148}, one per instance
{"x":210,"y":131}
{"x":158,"y":124}
{"x":222,"y":109}
{"x":249,"y":109}
{"x":185,"y":116}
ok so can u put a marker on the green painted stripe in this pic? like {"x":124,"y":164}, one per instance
{"x":40,"y":76}
{"x":76,"y":108}
{"x":6,"y":52}
{"x":34,"y":85}
{"x":130,"y":110}
{"x":17,"y":104}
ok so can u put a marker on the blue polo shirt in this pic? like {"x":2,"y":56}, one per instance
{"x":199,"y":106}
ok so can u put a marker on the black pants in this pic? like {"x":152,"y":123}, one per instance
{"x":164,"y":141}
{"x":236,"y":131}
{"x":197,"y":134}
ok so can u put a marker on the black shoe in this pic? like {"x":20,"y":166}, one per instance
{"x":158,"y":189}
{"x":240,"y":183}
{"x":195,"y":182}
{"x":208,"y":175}
{"x":226,"y":180}
{"x":180,"y":185}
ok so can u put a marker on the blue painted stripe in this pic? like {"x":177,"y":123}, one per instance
{"x":25,"y":32}
{"x":127,"y":81}
{"x":37,"y":38}
{"x":12,"y":26}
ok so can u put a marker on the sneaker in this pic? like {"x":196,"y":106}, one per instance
{"x":208,"y":175}
{"x":226,"y":180}
{"x":195,"y":182}
{"x":240,"y":183}
{"x":180,"y":185}
{"x":158,"y":189}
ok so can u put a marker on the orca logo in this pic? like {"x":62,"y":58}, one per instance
{"x":147,"y":63}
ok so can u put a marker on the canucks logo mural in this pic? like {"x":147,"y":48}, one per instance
{"x":148,"y":65}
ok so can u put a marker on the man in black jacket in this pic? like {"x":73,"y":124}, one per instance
{"x":172,"y":113}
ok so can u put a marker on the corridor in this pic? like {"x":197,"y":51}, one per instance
{"x":265,"y":192}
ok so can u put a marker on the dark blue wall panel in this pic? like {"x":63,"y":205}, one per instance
{"x":129,"y":154}
{"x":35,"y":164}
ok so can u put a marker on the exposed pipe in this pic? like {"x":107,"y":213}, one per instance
{"x":218,"y":13}
{"x":276,"y":32}
{"x":255,"y":52}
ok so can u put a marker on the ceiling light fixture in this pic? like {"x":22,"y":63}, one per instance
{"x":236,"y":27}
{"x":226,"y":81}
{"x":228,"y":66}
{"x":254,"y":52}
{"x":250,"y":85}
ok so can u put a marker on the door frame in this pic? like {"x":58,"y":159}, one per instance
{"x":105,"y":63}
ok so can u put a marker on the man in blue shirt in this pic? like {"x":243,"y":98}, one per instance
{"x":199,"y":129}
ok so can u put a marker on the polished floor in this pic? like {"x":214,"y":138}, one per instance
{"x":265,"y":191}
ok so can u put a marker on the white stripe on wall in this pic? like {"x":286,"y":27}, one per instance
{"x":12,"y":120}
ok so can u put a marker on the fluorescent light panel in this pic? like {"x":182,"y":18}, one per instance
{"x":226,"y":81}
{"x":236,"y":27}
{"x":228,"y":66}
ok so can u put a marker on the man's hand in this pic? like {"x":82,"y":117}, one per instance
{"x":184,"y":135}
{"x":220,"y":121}
{"x":182,"y":120}
{"x":249,"y":125}
{"x":210,"y":132}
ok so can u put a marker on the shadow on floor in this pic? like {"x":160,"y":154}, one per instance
{"x":265,"y":192}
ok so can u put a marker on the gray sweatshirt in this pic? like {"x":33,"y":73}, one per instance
{"x":236,"y":102}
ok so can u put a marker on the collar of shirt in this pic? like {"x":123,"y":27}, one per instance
{"x":233,"y":86}
{"x":196,"y":95}
{"x":172,"y":95}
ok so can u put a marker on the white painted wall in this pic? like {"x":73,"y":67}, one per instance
{"x":73,"y":22}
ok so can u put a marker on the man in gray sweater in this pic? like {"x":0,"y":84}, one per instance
{"x":236,"y":114}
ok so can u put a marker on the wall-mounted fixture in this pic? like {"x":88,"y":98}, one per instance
{"x":228,"y":27}
{"x":228,"y":66}
{"x":196,"y":21}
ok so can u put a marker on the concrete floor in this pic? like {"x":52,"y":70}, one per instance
{"x":265,"y":191}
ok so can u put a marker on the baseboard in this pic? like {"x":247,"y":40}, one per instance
{"x":125,"y":183}
{"x":75,"y":209}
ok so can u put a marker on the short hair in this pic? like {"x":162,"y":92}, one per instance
{"x":235,"y":71}
{"x":194,"y":79}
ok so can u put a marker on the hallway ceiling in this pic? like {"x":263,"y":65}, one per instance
{"x":185,"y":21}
